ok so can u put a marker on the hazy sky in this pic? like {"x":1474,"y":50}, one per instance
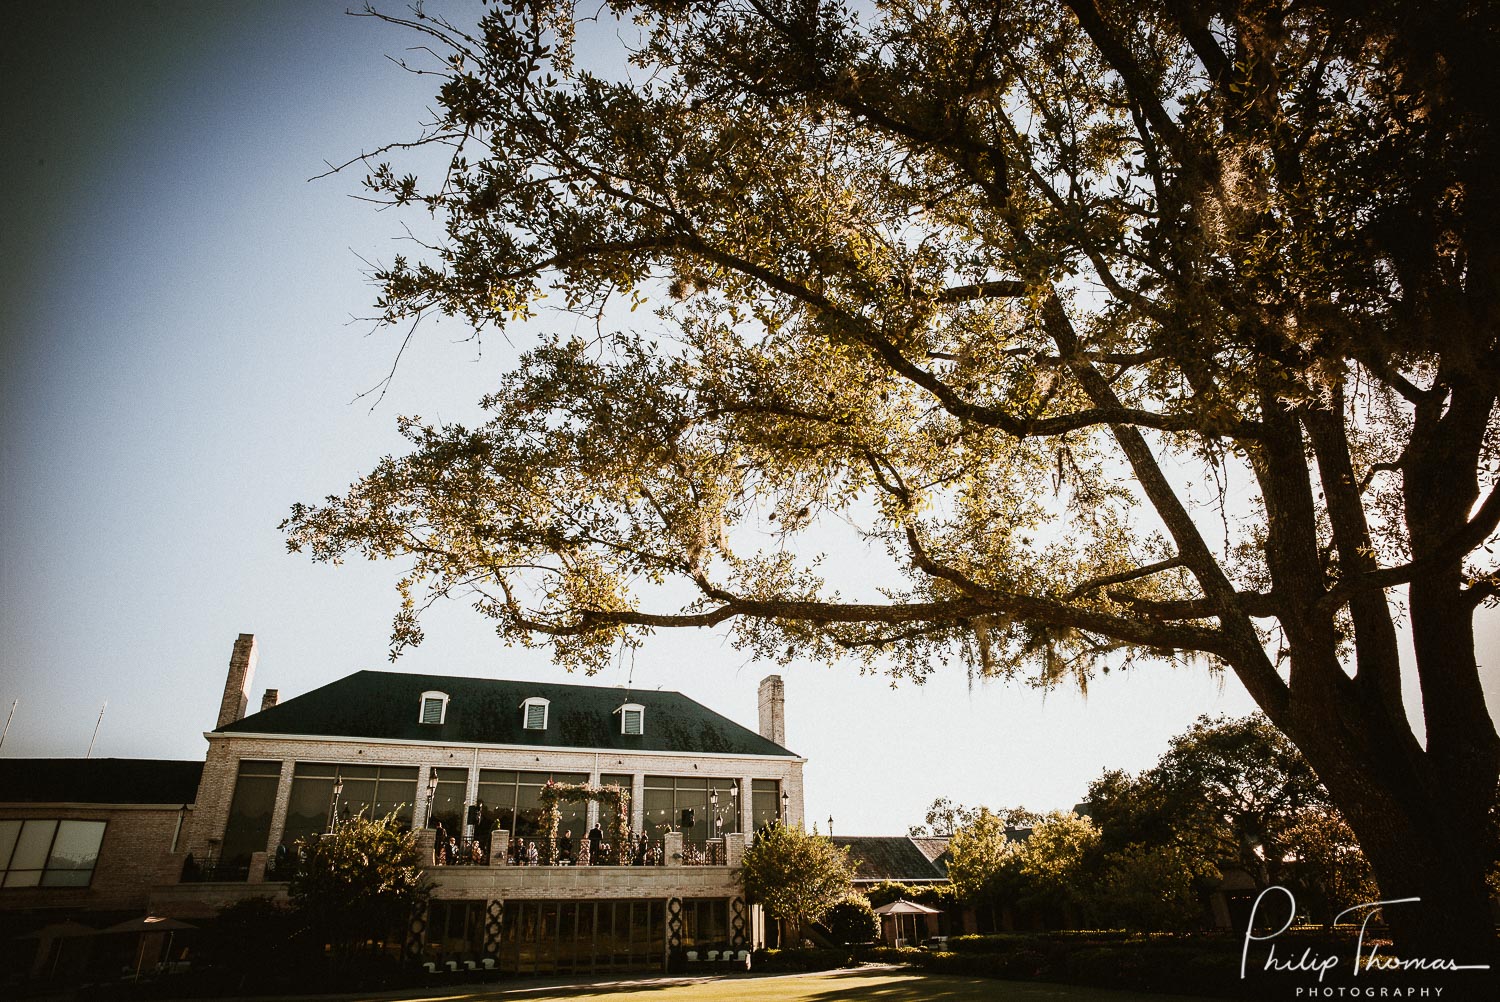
{"x":180,"y":366}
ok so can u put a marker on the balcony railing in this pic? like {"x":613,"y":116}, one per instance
{"x":580,"y":852}
{"x":212,"y":871}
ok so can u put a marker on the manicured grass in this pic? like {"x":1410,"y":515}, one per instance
{"x":860,"y":985}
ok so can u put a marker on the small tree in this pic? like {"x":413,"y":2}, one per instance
{"x":1148,"y":889}
{"x":852,"y":920}
{"x":359,"y":882}
{"x":1051,"y":865}
{"x":796,"y":876}
{"x":978,"y":855}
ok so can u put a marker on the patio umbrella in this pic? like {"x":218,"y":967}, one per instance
{"x":143,"y":925}
{"x":59,"y":930}
{"x":904,"y":907}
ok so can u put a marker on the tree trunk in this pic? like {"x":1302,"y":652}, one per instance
{"x":1425,"y":837}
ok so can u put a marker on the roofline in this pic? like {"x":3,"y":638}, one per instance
{"x":533,"y":749}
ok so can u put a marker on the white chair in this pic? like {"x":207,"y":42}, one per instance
{"x":469,"y":965}
{"x":713,"y":955}
{"x":430,"y":967}
{"x":692,"y":956}
{"x":489,"y":963}
{"x":452,"y":967}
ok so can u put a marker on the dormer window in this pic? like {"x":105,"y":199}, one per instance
{"x":434,"y":708}
{"x":534,"y":714}
{"x":632,"y":718}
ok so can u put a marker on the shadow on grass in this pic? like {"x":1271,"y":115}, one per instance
{"x":908,"y":986}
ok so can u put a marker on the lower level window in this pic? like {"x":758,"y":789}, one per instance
{"x":49,"y":853}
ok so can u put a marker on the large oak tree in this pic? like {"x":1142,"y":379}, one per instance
{"x":1158,"y":327}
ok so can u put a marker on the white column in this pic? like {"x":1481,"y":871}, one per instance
{"x":638,"y":802}
{"x":747,"y":806}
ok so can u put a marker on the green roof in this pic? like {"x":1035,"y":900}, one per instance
{"x":386,"y":705}
{"x":98,"y":781}
{"x":893,"y":857}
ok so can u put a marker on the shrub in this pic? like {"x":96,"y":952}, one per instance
{"x":853,"y":921}
{"x":895,"y":955}
{"x":800,"y":960}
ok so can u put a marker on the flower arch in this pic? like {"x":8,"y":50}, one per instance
{"x":616,"y":821}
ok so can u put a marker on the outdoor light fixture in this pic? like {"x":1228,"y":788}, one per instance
{"x":432,"y":781}
{"x":333,"y":804}
{"x":786,"y":801}
{"x":830,"y":826}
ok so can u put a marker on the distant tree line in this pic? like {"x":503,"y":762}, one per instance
{"x":1228,"y":796}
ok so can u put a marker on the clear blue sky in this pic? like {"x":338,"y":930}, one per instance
{"x":180,"y":365}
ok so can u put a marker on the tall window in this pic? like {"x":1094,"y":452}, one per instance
{"x":250,"y":810}
{"x":377,"y":790}
{"x":512,"y":800}
{"x":49,"y":853}
{"x":448,"y":800}
{"x":686,"y":804}
{"x":765,"y":802}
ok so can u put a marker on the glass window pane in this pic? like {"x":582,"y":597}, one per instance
{"x":9,"y":832}
{"x":657,"y":814}
{"x":67,"y":878}
{"x":728,"y":812}
{"x":695,"y":825}
{"x":396,"y":792}
{"x":250,"y":810}
{"x":448,"y":799}
{"x":358,"y":796}
{"x":23,"y":878}
{"x":76,"y":846}
{"x":307,"y":812}
{"x":32,"y":846}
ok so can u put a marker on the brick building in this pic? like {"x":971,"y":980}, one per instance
{"x":475,"y":756}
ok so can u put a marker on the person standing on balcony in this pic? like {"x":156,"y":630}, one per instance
{"x":596,"y":836}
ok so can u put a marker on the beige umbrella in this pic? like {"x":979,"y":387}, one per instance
{"x":896,"y":909}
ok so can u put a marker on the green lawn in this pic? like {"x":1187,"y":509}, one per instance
{"x":867,"y":985}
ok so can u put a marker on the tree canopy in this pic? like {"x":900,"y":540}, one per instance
{"x":796,"y":876}
{"x":360,"y":882}
{"x":1157,"y":328}
{"x":1230,"y":793}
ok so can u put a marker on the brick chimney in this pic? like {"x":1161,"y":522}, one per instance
{"x":270,"y":699}
{"x":237,"y":685}
{"x":773,"y":709}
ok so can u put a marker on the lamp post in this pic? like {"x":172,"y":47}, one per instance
{"x":830,"y":826}
{"x":786,"y":803}
{"x":432,"y":782}
{"x":333,"y":804}
{"x":713,"y":804}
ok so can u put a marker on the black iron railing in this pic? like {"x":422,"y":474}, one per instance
{"x":211,"y":871}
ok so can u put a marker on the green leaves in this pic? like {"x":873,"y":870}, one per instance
{"x":360,"y":882}
{"x":794,"y":875}
{"x":1098,"y":334}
